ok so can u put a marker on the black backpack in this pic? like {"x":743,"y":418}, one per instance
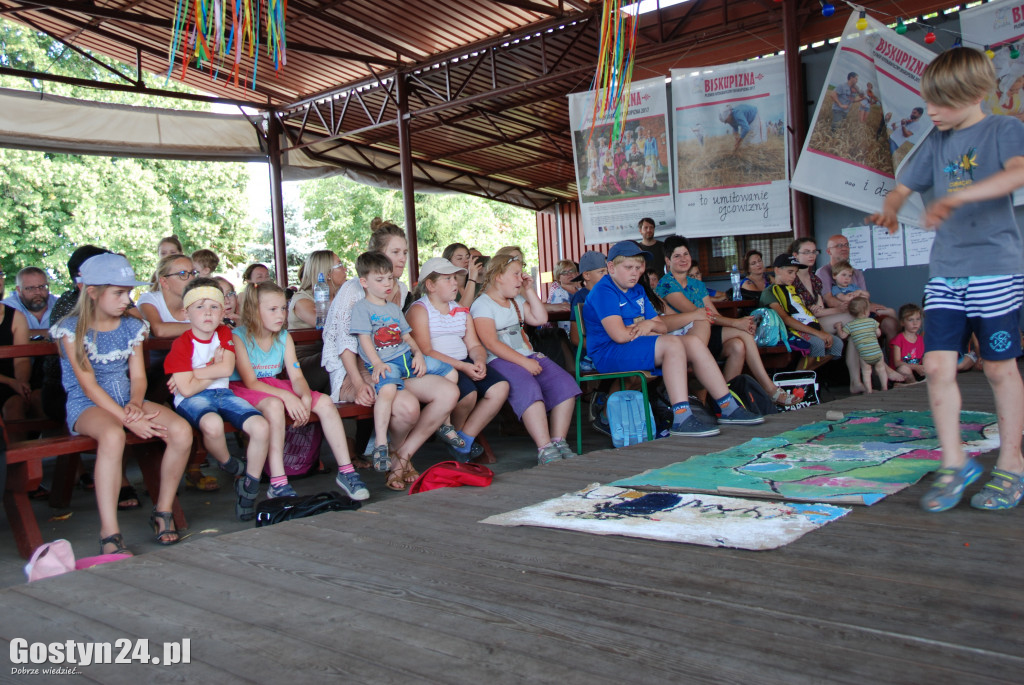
{"x":752,"y":396}
{"x":277,"y":509}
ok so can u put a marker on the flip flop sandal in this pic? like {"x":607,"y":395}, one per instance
{"x":1004,"y":491}
{"x":445,"y":433}
{"x":127,"y":494}
{"x":949,"y":485}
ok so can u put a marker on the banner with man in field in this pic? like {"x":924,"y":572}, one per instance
{"x":730,"y":124}
{"x":870,"y":117}
{"x":623,"y":175}
{"x":1000,"y":25}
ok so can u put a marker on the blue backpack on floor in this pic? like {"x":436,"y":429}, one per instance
{"x":626,"y":413}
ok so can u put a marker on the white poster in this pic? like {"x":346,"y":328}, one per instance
{"x":869,"y":119}
{"x":859,"y":238}
{"x":888,"y":247}
{"x":730,"y":148}
{"x":919,"y":244}
{"x":1000,"y":25}
{"x":621,"y":180}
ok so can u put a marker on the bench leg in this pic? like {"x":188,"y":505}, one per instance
{"x":19,"y":511}
{"x":149,"y":458}
{"x":64,"y":480}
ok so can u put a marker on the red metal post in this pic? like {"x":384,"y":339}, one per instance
{"x":405,"y":160}
{"x":796,"y":115}
{"x":277,"y":200}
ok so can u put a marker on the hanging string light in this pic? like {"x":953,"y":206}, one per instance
{"x":862,"y":23}
{"x":901,"y":28}
{"x":989,"y":52}
{"x":1014,"y":52}
{"x":827,"y":8}
{"x":929,"y":37}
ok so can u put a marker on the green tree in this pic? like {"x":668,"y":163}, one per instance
{"x":52,"y":203}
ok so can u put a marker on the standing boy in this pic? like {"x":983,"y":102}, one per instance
{"x":625,"y":333}
{"x":387,"y":348}
{"x":200,"y":362}
{"x":973,"y":163}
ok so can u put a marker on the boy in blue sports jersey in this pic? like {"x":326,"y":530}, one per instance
{"x":625,"y":333}
{"x":973,"y":162}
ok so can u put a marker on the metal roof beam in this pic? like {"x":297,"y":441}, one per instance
{"x":532,"y":7}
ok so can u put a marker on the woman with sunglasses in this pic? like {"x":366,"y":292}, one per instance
{"x":541,"y":393}
{"x":162,"y":307}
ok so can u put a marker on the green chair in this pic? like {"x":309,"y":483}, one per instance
{"x":644,"y":377}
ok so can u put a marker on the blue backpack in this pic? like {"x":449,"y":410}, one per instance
{"x":626,"y":413}
{"x":771,"y":330}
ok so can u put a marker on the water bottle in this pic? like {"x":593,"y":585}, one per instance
{"x":736,"y":279}
{"x":321,"y":298}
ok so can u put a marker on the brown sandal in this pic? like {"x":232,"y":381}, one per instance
{"x":396,"y":480}
{"x":411,"y":474}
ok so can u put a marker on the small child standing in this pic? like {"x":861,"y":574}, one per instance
{"x":388,"y":350}
{"x":262,"y":349}
{"x":200,"y":363}
{"x":104,"y":374}
{"x":973,"y":162}
{"x":907,"y":348}
{"x":865,"y":332}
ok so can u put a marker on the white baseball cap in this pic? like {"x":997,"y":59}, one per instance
{"x":108,"y":269}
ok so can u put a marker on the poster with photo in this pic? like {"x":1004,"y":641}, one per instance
{"x":730,"y":147}
{"x":1000,"y":25}
{"x":622,"y":180}
{"x":870,"y":118}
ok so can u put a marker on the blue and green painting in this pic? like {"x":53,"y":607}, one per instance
{"x":857,"y":460}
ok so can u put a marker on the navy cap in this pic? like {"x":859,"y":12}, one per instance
{"x":627,"y":248}
{"x":787,"y":260}
{"x":589,"y":261}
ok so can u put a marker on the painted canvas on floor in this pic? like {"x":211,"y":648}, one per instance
{"x":857,"y":460}
{"x":698,"y":519}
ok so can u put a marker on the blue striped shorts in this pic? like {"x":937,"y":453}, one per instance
{"x":986,"y":306}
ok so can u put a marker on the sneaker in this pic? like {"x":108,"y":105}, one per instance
{"x":563,"y":447}
{"x":601,"y":426}
{"x":246,"y":489}
{"x":353,"y":485}
{"x":597,"y":405}
{"x":381,"y":458}
{"x":285,"y":490}
{"x":548,"y":454}
{"x":692,"y":427}
{"x":741,"y":417}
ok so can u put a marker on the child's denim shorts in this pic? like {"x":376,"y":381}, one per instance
{"x":400,"y":368}
{"x":231,"y":408}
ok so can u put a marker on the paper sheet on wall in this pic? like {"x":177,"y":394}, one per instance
{"x":888,"y":247}
{"x":859,"y":238}
{"x":919,"y":244}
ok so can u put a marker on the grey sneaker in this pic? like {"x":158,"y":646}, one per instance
{"x":381,"y":458}
{"x":563,"y":447}
{"x":741,"y":417}
{"x":353,"y":485}
{"x":548,"y":454}
{"x":285,"y":490}
{"x":692,"y":427}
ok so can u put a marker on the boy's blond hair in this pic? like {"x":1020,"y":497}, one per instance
{"x":859,"y":307}
{"x":207,"y":259}
{"x":843,"y":265}
{"x":957,"y":78}
{"x":621,"y":258}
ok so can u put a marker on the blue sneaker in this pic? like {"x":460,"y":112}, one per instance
{"x":285,"y":490}
{"x":949,"y":485}
{"x":741,"y":417}
{"x":353,"y":485}
{"x":692,"y":427}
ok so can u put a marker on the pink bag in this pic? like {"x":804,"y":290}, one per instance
{"x":56,"y":558}
{"x":301,"y":449}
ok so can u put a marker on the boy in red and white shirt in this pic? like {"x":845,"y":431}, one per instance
{"x":200,"y":362}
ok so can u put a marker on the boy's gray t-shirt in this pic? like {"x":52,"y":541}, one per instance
{"x":979,"y":238}
{"x":385,"y":324}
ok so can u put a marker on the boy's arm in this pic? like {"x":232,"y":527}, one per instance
{"x":890,"y":207}
{"x":616,"y":329}
{"x":188,"y":384}
{"x":218,"y":368}
{"x":997,"y":185}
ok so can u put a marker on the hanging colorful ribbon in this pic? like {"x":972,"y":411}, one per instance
{"x":615,"y":57}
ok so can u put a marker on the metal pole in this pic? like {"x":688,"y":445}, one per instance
{"x":796,"y":115}
{"x":277,"y":200}
{"x":558,"y":230}
{"x":405,"y":158}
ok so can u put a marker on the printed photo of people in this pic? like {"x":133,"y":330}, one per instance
{"x":634,"y":166}
{"x":731,"y":144}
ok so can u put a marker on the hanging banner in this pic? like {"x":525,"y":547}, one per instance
{"x":870,"y":118}
{"x":622,"y":181}
{"x":1000,"y":25}
{"x":730,"y":148}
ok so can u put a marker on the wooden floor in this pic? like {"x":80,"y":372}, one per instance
{"x":415,"y":590}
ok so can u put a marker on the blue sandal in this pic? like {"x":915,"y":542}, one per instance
{"x":946,"y":494}
{"x":1004,"y":491}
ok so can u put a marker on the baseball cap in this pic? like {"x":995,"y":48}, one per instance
{"x":109,"y":269}
{"x":627,"y":248}
{"x":439,"y":265}
{"x":79,"y":256}
{"x":787,"y":260}
{"x":590,"y":260}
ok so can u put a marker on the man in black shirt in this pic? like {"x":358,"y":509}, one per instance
{"x":649,"y":244}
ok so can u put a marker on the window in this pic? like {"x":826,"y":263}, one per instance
{"x":717,"y":255}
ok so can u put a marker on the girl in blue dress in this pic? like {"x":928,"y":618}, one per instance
{"x":104,"y":374}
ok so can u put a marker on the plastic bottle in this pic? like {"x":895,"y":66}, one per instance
{"x":736,"y":280}
{"x":321,"y":298}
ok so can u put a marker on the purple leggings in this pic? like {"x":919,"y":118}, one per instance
{"x":552,"y":387}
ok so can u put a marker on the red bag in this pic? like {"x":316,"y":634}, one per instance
{"x":452,"y":474}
